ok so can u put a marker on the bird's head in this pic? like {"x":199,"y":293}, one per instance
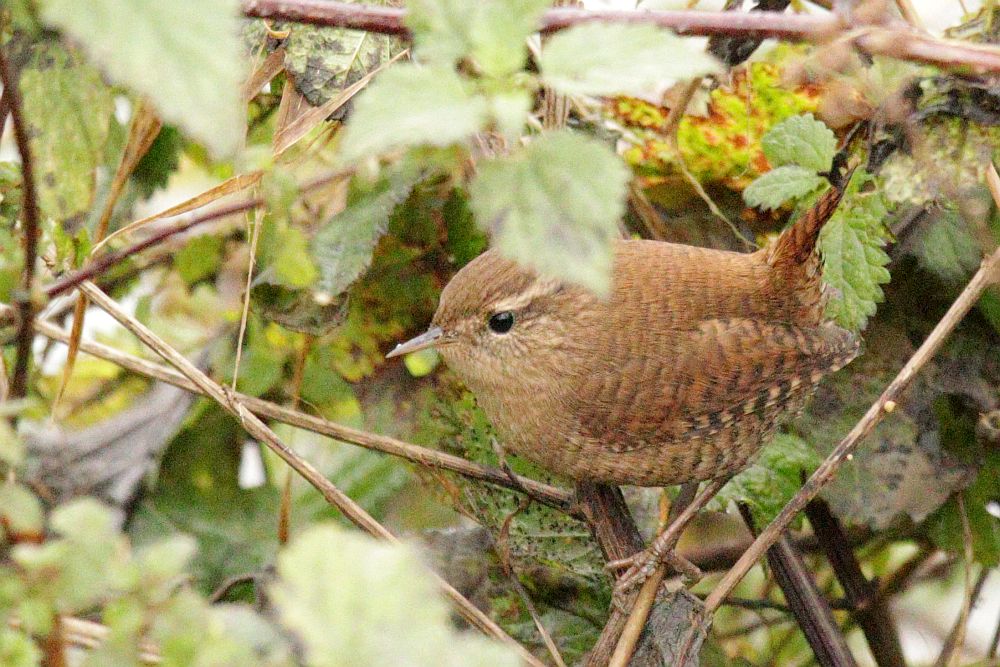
{"x":498,"y":322}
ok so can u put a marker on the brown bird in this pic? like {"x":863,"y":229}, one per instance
{"x":681,"y":375}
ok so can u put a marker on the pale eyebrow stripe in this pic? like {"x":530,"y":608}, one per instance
{"x":537,"y":288}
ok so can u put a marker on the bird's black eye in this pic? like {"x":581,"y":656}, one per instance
{"x":501,"y":322}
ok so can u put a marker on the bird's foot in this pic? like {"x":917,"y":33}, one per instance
{"x":642,"y":565}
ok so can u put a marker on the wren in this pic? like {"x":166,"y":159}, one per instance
{"x":680,"y":375}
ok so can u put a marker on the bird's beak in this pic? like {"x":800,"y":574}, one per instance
{"x":421,"y":342}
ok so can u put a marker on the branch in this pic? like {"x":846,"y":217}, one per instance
{"x":260,"y":431}
{"x":899,"y":42}
{"x":543,"y":493}
{"x":614,"y":529}
{"x":886,"y":403}
{"x":29,"y":213}
{"x":871,"y":612}
{"x":810,"y":608}
{"x":105,"y":262}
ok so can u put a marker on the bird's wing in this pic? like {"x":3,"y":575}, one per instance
{"x":701,"y":381}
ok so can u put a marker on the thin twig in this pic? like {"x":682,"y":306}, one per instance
{"x":871,"y":612}
{"x":29,"y":216}
{"x":898,"y":42}
{"x":105,"y":262}
{"x":257,"y":429}
{"x":987,"y":274}
{"x":542,"y":493}
{"x":956,"y":637}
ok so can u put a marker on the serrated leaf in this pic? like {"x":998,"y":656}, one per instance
{"x":410,"y":105}
{"x":335,"y":586}
{"x":615,"y":58}
{"x":780,"y":185}
{"x":185,"y":56}
{"x":324,"y":61}
{"x":491,"y":32}
{"x":800,"y":140}
{"x":854,"y":263}
{"x":67,"y":109}
{"x":772,"y":479}
{"x":343,"y":247}
{"x":555,"y":206}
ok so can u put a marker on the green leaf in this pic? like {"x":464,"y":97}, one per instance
{"x":772,"y":479}
{"x":293,"y":265}
{"x":555,"y":206}
{"x":20,"y":511}
{"x":615,"y":58}
{"x":800,"y":140}
{"x":491,"y":32}
{"x":410,"y":105}
{"x":781,"y":184}
{"x":946,"y":248}
{"x":67,"y":109}
{"x":335,"y":586}
{"x":854,"y":263}
{"x":199,"y":258}
{"x":945,"y":525}
{"x":324,"y":61}
{"x":17,"y":649}
{"x":184,"y":55}
{"x":343,"y":246}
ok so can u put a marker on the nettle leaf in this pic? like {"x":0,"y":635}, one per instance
{"x":800,"y":140}
{"x":491,"y":32}
{"x":773,"y":478}
{"x":780,"y":185}
{"x":324,"y":61}
{"x":67,"y":108}
{"x":555,"y":206}
{"x":410,"y":105}
{"x":334,"y":586}
{"x":614,"y":58}
{"x":343,"y":247}
{"x":854,"y":263}
{"x":184,"y":55}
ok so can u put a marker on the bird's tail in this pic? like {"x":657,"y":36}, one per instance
{"x":797,"y":243}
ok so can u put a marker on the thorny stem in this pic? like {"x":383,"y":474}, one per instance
{"x":29,"y":212}
{"x":899,"y":41}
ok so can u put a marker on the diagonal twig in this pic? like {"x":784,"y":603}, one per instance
{"x":260,"y":431}
{"x":548,"y":495}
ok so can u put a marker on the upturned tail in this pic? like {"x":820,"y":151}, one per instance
{"x":797,"y":243}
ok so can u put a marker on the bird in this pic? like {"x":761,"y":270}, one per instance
{"x":680,"y":375}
